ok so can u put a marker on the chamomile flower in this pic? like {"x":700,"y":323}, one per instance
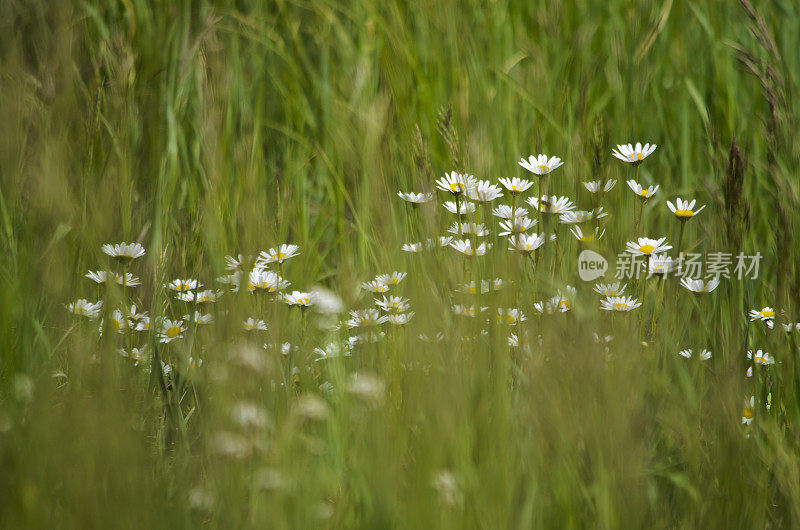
{"x":519,"y":225}
{"x":504,"y":212}
{"x":415,"y":199}
{"x":516,"y":185}
{"x":456,"y":183}
{"x":633,"y":154}
{"x":207,"y":296}
{"x":760,"y":358}
{"x":116,"y":322}
{"x":124,"y":252}
{"x":299,"y":299}
{"x":767,"y":313}
{"x":127,"y":279}
{"x":143,"y":324}
{"x":704,"y":354}
{"x":645,"y":246}
{"x":510,"y":316}
{"x":199,"y":318}
{"x":748,"y":412}
{"x":234,"y":263}
{"x":234,"y":280}
{"x":136,"y":354}
{"x":444,"y":241}
{"x":526,"y":243}
{"x":400,"y":319}
{"x":395,"y":277}
{"x":183,"y":286}
{"x":581,"y":216}
{"x":85,"y":308}
{"x":277,"y":255}
{"x":596,"y":186}
{"x":619,"y":303}
{"x":486,"y":286}
{"x":465,"y":247}
{"x":700,"y":286}
{"x":552,"y":204}
{"x":375,"y":286}
{"x":641,"y":192}
{"x":332,"y":350}
{"x":610,"y":289}
{"x":252,"y":324}
{"x":684,"y":210}
{"x":467,"y":311}
{"x":365,"y":318}
{"x":463,"y":208}
{"x":661,"y":265}
{"x":485,"y":191}
{"x":541,"y":165}
{"x":414,"y":248}
{"x":563,"y":301}
{"x":265,"y":281}
{"x":477,"y":229}
{"x":170,"y":330}
{"x":393,"y":304}
{"x":587,"y":237}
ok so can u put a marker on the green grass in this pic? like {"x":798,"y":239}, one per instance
{"x":208,"y":128}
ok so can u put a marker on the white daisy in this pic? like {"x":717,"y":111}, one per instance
{"x":645,"y":246}
{"x":510,"y":316}
{"x":265,"y":281}
{"x":400,"y":319}
{"x":465,"y":247}
{"x":704,"y":354}
{"x":748,"y":412}
{"x":477,"y":229}
{"x":393,"y":304}
{"x":375,"y":286}
{"x":485,"y":191}
{"x":642,"y":193}
{"x":85,"y":308}
{"x":619,"y":303}
{"x":700,"y":286}
{"x":760,"y":358}
{"x":610,"y":289}
{"x":365,"y":318}
{"x":588,"y":237}
{"x":486,"y":286}
{"x":463,"y":208}
{"x":540,"y":165}
{"x":444,"y":241}
{"x":395,"y":277}
{"x":467,"y":311}
{"x":519,"y":225}
{"x":170,"y":330}
{"x":634,"y":155}
{"x":684,"y":210}
{"x":124,"y":251}
{"x":199,"y":318}
{"x":415,"y":198}
{"x":234,"y":263}
{"x":596,"y":186}
{"x":504,"y":212}
{"x":299,"y":299}
{"x":277,"y":255}
{"x":456,"y":183}
{"x":551,"y":204}
{"x":581,"y":216}
{"x":526,"y":243}
{"x":767,"y":313}
{"x":183,"y":286}
{"x":516,"y":185}
{"x":661,"y":265}
{"x":412,"y":247}
{"x":252,"y":324}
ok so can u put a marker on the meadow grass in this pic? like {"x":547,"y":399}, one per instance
{"x":204,"y":128}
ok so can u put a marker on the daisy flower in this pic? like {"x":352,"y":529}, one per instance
{"x":467,"y":311}
{"x":207,"y":296}
{"x":170,"y":330}
{"x":199,"y":318}
{"x":510,"y":316}
{"x":526,"y":243}
{"x":642,"y":193}
{"x":299,"y":299}
{"x":252,"y":324}
{"x":704,"y":354}
{"x":444,"y":241}
{"x":124,"y":252}
{"x":634,"y":155}
{"x":516,"y":185}
{"x":183,"y":286}
{"x":400,"y":319}
{"x":551,"y":204}
{"x":661,"y":265}
{"x":540,"y":165}
{"x":465,"y":247}
{"x":234,"y":263}
{"x":486,"y":286}
{"x":519,"y":225}
{"x":234,"y":280}
{"x":645,"y":246}
{"x":485,"y":191}
{"x":748,"y":412}
{"x":393,"y":304}
{"x":104,"y":276}
{"x":143,"y":324}
{"x":476,"y":229}
{"x":127,"y":279}
{"x":766,"y":313}
{"x":365,"y":318}
{"x":262,"y":280}
{"x":563,"y":302}
{"x":619,"y":303}
{"x":596,"y":186}
{"x":85,"y":308}
{"x":277,"y":255}
{"x":137,"y":354}
{"x":116,"y":321}
{"x":415,"y":198}
{"x":610,"y":289}
{"x":456,"y":183}
{"x":412,"y":247}
{"x":504,"y":212}
{"x":700,"y":286}
{"x":463,"y":207}
{"x":375,"y":286}
{"x":581,"y":216}
{"x":760,"y":358}
{"x":588,"y":237}
{"x":331,"y":351}
{"x":684,"y":210}
{"x":393,"y":278}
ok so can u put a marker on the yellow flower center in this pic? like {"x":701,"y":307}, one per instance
{"x":767,"y":313}
{"x":644,"y":193}
{"x":621,"y":305}
{"x":564,"y":304}
{"x":587,"y":238}
{"x":455,"y":187}
{"x":544,"y":168}
{"x":646,"y":249}
{"x":747,"y":413}
{"x":684,"y":214}
{"x":303,"y":301}
{"x":610,"y":293}
{"x":79,"y":310}
{"x":280,"y":255}
{"x":248,"y":326}
{"x":116,"y":324}
{"x":172,"y":332}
